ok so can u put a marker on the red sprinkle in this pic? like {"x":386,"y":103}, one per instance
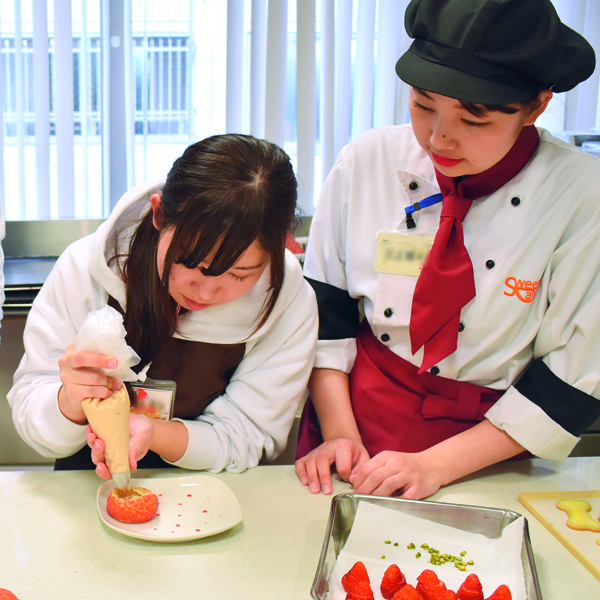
{"x":204,"y":511}
{"x":189,"y":496}
{"x":180,"y":504}
{"x":197,"y":530}
{"x":158,"y":514}
{"x":177,"y":525}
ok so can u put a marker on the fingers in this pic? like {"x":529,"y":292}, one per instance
{"x":82,"y":376}
{"x":133,"y":460}
{"x":361,"y":472}
{"x":324,"y":475}
{"x":300,"y":465}
{"x":90,"y":436}
{"x":314,"y":470}
{"x":388,"y":485}
{"x":135,"y":454}
{"x":343,"y":465}
{"x":391,"y":472}
{"x":102,"y":471}
{"x":348,"y":465}
{"x":78,"y":359}
{"x":90,"y":380}
{"x":382,"y":475}
{"x":97,"y":451}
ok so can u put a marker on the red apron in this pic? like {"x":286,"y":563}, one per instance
{"x":398,"y":409}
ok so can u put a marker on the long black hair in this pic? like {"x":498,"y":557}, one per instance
{"x":230,"y":189}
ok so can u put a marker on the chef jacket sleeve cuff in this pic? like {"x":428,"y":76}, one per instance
{"x":203,"y":447}
{"x":531,"y":427}
{"x":336,"y":354}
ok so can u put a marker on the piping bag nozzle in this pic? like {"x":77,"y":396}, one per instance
{"x":122,"y":481}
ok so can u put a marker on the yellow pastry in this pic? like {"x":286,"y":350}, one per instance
{"x":579,"y":518}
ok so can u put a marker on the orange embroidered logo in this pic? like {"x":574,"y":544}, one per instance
{"x":523,"y":290}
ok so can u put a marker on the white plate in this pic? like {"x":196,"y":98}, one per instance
{"x":189,"y":508}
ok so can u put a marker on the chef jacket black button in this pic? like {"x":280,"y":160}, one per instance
{"x":490,"y":264}
{"x":461,"y":327}
{"x":515,"y":201}
{"x":388,"y":312}
{"x":434,"y":370}
{"x":385,"y":337}
{"x":413,"y":185}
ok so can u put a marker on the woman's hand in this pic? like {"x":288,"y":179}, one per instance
{"x":82,"y":377}
{"x":141,"y":430}
{"x":314,"y":469}
{"x":421,"y":474}
{"x":388,"y":472}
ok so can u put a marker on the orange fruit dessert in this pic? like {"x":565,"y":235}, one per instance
{"x":139,"y":507}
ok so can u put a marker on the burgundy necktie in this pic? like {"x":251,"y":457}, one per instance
{"x":446,"y":282}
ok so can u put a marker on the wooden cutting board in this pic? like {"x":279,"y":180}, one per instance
{"x":585,"y":545}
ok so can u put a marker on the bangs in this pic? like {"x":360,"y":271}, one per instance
{"x":481,"y":110}
{"x":197,"y":236}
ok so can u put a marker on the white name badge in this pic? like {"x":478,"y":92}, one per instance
{"x":399,"y":254}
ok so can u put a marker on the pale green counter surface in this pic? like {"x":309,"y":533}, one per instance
{"x":53,"y":544}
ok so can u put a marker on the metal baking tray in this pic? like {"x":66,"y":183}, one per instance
{"x":475,"y":519}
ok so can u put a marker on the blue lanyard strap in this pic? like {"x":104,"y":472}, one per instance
{"x":429,"y":201}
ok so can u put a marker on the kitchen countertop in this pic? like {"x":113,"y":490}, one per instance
{"x":53,"y":544}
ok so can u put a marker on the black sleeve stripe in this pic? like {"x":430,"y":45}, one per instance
{"x":339,"y":317}
{"x":571,"y":408}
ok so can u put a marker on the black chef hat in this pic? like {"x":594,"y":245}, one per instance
{"x":492,"y":51}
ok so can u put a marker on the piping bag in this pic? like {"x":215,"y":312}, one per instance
{"x":103,"y":332}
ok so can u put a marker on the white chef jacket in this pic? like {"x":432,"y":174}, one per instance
{"x":538,"y":235}
{"x":249,"y":421}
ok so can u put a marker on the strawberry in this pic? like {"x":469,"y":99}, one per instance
{"x":407,"y":592}
{"x":431,"y":588}
{"x":470,"y":589}
{"x":501,"y":593}
{"x":429,"y":584}
{"x":361,"y":591}
{"x":7,"y":595}
{"x":392,"y":581}
{"x":357,"y":573}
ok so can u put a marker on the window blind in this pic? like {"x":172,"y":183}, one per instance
{"x":41,"y":107}
{"x":102,"y":95}
{"x":63,"y":95}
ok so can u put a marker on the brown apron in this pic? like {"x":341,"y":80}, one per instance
{"x":201,"y":371}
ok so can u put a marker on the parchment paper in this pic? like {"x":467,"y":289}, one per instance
{"x":497,"y":561}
